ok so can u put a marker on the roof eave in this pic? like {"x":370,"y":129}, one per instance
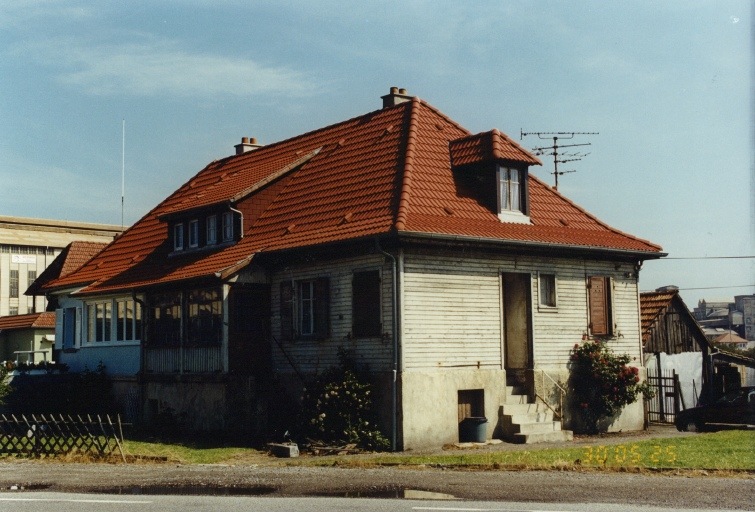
{"x":531,"y":245}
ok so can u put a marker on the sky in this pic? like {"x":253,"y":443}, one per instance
{"x":666,"y":87}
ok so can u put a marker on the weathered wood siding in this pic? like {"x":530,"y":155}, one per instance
{"x":311,"y":356}
{"x":452,"y":309}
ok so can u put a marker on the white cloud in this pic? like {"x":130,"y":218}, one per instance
{"x":165,"y":69}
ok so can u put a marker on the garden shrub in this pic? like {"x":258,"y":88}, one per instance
{"x":337,"y":407}
{"x":602,"y":383}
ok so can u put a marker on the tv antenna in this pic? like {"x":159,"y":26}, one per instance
{"x":553,"y":150}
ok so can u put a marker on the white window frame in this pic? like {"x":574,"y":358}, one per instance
{"x":227,"y":226}
{"x":543,"y":279}
{"x":305,"y":310}
{"x":178,"y":236}
{"x":194,"y":233}
{"x":511,"y":204}
{"x":212,"y":230}
{"x":110,"y":322}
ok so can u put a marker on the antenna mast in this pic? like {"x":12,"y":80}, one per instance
{"x":123,"y":169}
{"x":553,"y":150}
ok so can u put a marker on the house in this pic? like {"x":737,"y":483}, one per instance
{"x":675,"y":350}
{"x":432,"y":253}
{"x":27,"y":338}
{"x":28,"y":246}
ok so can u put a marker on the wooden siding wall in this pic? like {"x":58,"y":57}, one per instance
{"x":452,"y":309}
{"x":312,"y":356}
{"x":672,"y":333}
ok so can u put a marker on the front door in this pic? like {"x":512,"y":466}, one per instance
{"x":249,"y":349}
{"x":517,"y":336}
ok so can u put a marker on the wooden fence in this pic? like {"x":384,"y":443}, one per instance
{"x":39,"y":435}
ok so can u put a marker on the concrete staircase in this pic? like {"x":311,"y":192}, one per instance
{"x":525,"y":422}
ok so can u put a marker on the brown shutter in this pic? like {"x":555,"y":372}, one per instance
{"x":322,"y":307}
{"x":287,"y":310}
{"x":599,"y":303}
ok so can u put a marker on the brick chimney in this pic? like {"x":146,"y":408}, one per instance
{"x":247,"y":144}
{"x":395,"y":97}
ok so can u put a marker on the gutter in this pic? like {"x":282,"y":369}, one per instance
{"x":394,"y":328}
{"x":523,"y":244}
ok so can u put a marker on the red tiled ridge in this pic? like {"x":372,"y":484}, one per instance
{"x":488,"y":147}
{"x":388,"y":171}
{"x":44,"y":320}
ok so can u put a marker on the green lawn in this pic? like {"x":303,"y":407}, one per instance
{"x":726,"y":450}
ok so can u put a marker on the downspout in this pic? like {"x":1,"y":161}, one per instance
{"x":394,"y":328}
{"x":142,"y":385}
{"x":241,"y":216}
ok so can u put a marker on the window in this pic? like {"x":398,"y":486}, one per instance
{"x":365,"y":303}
{"x":178,"y":237}
{"x":113,"y":320}
{"x":204,"y":316}
{"x":99,"y":317}
{"x":193,"y":316}
{"x":547,"y":290}
{"x":13,"y":282}
{"x":212,"y":230}
{"x":305,"y":309}
{"x":70,"y":327}
{"x":165,"y":322}
{"x":227,"y":226}
{"x":31,"y":276}
{"x":509,"y":194}
{"x":600,"y":307}
{"x":128,"y":320}
{"x":194,"y":233}
{"x":512,"y":194}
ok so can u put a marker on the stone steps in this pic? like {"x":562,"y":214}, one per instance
{"x":526,"y":423}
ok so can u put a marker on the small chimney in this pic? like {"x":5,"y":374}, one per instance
{"x":395,"y":97}
{"x":247,"y":144}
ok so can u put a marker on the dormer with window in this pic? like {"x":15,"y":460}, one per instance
{"x":495,"y":167}
{"x":203,"y":229}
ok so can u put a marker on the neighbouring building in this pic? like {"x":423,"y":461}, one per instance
{"x":27,"y":338}
{"x":432,"y":253}
{"x":28,"y":246}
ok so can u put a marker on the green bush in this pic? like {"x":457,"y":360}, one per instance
{"x":602,"y":383}
{"x":337,"y":408}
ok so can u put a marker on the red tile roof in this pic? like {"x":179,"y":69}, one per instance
{"x":44,"y":320}
{"x":652,"y":304}
{"x":69,"y":260}
{"x":388,"y":171}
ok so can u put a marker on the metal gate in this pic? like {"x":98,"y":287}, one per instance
{"x":666,"y":403}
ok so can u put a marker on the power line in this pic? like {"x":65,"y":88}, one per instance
{"x":714,"y":287}
{"x":709,"y":258}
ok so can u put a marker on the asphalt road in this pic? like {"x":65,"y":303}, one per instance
{"x":566,"y":488}
{"x":62,"y":502}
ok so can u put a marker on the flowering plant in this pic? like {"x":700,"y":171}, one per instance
{"x":602,"y":383}
{"x":338,"y":407}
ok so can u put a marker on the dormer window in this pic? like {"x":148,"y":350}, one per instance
{"x":512,"y":194}
{"x":178,"y":237}
{"x":212,"y":230}
{"x":194,"y":233}
{"x":227,"y":226}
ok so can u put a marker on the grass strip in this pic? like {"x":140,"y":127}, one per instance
{"x":726,"y":450}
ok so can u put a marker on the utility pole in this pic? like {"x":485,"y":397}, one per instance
{"x":553,"y":150}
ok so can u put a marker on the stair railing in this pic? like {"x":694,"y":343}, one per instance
{"x":561,"y":392}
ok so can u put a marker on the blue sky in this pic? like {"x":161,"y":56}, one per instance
{"x":666,"y":85}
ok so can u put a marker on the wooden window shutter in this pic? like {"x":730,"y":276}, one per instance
{"x":287,"y":310}
{"x":69,"y":328}
{"x":322,"y":307}
{"x":599,"y":300}
{"x":365,"y":297}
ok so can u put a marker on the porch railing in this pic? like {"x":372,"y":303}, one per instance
{"x":558,"y":414}
{"x":204,"y":359}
